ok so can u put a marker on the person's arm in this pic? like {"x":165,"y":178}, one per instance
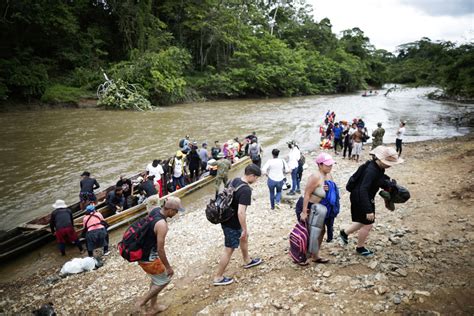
{"x":96,"y":185}
{"x":285,"y":166}
{"x":265,"y":167}
{"x":368,"y":179}
{"x":313,"y":183}
{"x":243,"y":221}
{"x":161,"y":229}
{"x":52,"y":222}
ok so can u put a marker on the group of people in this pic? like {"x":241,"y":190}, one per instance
{"x":317,"y":207}
{"x":350,"y":137}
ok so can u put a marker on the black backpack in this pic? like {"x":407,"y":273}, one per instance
{"x":134,"y":245}
{"x":354,"y":179}
{"x":220,"y":209}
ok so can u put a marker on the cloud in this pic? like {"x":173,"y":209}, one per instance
{"x":442,"y":7}
{"x":390,"y":23}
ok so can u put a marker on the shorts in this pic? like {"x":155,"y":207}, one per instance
{"x":357,"y":149}
{"x":232,"y":237}
{"x":156,"y":270}
{"x":66,"y":234}
{"x":360,"y":216}
{"x":97,"y":238}
{"x":87,"y":196}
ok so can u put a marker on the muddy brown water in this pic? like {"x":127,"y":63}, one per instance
{"x":43,"y":152}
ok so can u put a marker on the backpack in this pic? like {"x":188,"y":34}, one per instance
{"x":220,"y":209}
{"x":134,"y":245}
{"x":354,"y":179}
{"x":299,"y":238}
{"x":254,"y":152}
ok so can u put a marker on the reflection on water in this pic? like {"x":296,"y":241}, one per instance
{"x":43,"y":152}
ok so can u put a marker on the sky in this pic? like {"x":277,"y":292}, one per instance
{"x":389,"y":23}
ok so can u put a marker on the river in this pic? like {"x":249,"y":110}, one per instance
{"x":43,"y":152}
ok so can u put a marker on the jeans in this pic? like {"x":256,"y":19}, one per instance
{"x":295,"y":184}
{"x":178,"y":181}
{"x":329,"y":222}
{"x":274,"y":198}
{"x":398,"y":144}
{"x":337,"y":141}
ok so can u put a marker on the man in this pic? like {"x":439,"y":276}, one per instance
{"x":235,"y":229}
{"x":215,"y":150}
{"x":204,"y":155}
{"x":148,"y":188}
{"x":369,"y":180}
{"x":255,"y":151}
{"x":194,"y":162}
{"x":184,"y":144}
{"x":223,"y":167}
{"x":155,"y":169}
{"x":62,"y":226}
{"x":400,"y":134}
{"x":378,"y":136}
{"x":337,"y":131}
{"x":88,"y":185}
{"x":275,"y":169}
{"x":116,"y":200}
{"x":357,"y":143}
{"x":294,"y":157}
{"x":157,"y":266}
{"x":126,"y":185}
{"x":177,"y":165}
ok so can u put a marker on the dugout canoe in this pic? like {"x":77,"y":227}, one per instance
{"x":130,"y":215}
{"x":36,"y":232}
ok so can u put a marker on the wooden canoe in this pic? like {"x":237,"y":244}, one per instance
{"x":130,"y":215}
{"x":36,"y":232}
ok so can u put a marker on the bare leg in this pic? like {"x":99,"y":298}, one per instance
{"x":151,"y":294}
{"x":224,"y":261}
{"x":244,"y":247}
{"x":363,"y":234}
{"x":353,"y":228}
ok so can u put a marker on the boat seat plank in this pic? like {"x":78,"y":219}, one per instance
{"x":33,"y":226}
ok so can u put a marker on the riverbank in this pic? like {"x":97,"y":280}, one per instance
{"x":423,"y":255}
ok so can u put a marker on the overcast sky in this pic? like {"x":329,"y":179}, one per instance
{"x":389,"y":23}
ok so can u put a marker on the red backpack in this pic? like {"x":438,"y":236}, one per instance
{"x":135,"y":245}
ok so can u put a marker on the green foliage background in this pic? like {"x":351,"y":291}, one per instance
{"x":175,"y":51}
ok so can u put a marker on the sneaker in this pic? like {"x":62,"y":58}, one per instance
{"x":364,"y":252}
{"x":344,"y":237}
{"x":291,"y":193}
{"x":106,"y":253}
{"x":277,"y":205}
{"x":224,"y":281}
{"x":298,"y":191}
{"x":253,"y":263}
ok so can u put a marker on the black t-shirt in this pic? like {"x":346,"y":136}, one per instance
{"x":241,"y":196}
{"x":89,"y":184}
{"x":148,"y":187}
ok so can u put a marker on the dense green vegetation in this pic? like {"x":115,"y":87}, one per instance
{"x":443,"y":64}
{"x":172,"y":51}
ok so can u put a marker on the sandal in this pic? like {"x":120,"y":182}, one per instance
{"x":303,"y":264}
{"x":321,"y":260}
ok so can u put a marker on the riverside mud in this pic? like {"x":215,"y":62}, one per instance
{"x":423,"y":255}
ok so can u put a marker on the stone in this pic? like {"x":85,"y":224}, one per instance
{"x":295,"y":310}
{"x":327,"y":274}
{"x":276,"y":304}
{"x":401,"y":272}
{"x":381,"y":289}
{"x":424,"y":293}
{"x":397,"y":299}
{"x":373,"y":265}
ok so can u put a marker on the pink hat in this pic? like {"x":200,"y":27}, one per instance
{"x":325,"y":159}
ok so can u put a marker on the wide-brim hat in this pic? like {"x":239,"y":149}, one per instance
{"x":179,"y":153}
{"x":59,"y":204}
{"x":387,"y":155}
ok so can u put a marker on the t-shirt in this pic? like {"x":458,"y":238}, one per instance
{"x":61,"y":218}
{"x":337,"y":132}
{"x":126,"y":186}
{"x":155,"y":171}
{"x":178,"y":168}
{"x":89,"y":184}
{"x":148,"y":187}
{"x":93,"y":221}
{"x":223,"y":166}
{"x":275,"y":169}
{"x":203,"y":155}
{"x":241,"y":196}
{"x":401,"y":133}
{"x":293,"y":158}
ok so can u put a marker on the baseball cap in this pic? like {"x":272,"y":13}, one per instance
{"x":325,"y":159}
{"x":174,"y":203}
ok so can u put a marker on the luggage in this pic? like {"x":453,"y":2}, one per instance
{"x":299,"y":238}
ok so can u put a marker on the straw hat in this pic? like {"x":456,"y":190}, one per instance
{"x":387,"y":155}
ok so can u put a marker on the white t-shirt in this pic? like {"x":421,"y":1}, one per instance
{"x":155,"y":171}
{"x":352,"y":130}
{"x":178,"y":168}
{"x":293,"y":158}
{"x":275,"y":169}
{"x":401,"y":133}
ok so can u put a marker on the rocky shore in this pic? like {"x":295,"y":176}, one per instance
{"x":423,"y":259}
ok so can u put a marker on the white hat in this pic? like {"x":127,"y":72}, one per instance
{"x":387,"y":155}
{"x":59,"y":204}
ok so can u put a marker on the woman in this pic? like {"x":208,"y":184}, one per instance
{"x":312,"y":211}
{"x":367,"y":181}
{"x":275,"y":169}
{"x":96,"y":233}
{"x":293,"y":162}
